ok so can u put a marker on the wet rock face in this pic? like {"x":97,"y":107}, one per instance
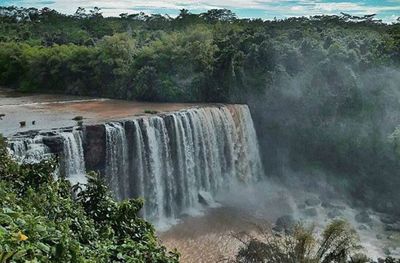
{"x":95,"y":148}
{"x":31,"y":133}
{"x":55,"y":143}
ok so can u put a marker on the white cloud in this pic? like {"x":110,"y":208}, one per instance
{"x":279,"y":8}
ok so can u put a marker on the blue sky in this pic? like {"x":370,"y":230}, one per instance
{"x":388,"y":10}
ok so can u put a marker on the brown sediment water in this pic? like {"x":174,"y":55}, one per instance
{"x":108,"y":109}
{"x":43,"y":111}
{"x":212,"y":236}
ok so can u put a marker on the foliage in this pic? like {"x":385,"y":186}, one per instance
{"x":212,"y":56}
{"x":47,"y":220}
{"x":339,"y":243}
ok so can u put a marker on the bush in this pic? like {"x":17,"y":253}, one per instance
{"x":48,"y":220}
{"x":338,"y":244}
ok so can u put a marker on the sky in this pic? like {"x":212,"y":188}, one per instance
{"x":388,"y":10}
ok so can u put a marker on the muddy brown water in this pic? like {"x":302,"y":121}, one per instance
{"x":210,"y":237}
{"x":55,"y":111}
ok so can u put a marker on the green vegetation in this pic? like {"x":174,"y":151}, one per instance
{"x":339,"y":243}
{"x":47,"y":220}
{"x":211,"y":56}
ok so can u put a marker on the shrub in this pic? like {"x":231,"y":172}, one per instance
{"x":48,"y":220}
{"x":338,"y":243}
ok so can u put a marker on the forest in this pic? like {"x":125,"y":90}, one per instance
{"x":213,"y":56}
{"x":323,"y":90}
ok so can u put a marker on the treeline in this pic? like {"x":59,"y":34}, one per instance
{"x":213,"y":56}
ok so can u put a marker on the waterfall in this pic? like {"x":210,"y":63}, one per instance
{"x":29,"y":150}
{"x":117,"y":160}
{"x":169,"y":160}
{"x":35,"y":149}
{"x":73,"y":160}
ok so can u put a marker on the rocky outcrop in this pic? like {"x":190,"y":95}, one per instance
{"x":55,"y":143}
{"x":95,"y":147}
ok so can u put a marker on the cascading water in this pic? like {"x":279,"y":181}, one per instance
{"x":29,"y":150}
{"x":117,"y":159}
{"x":170,"y":160}
{"x":73,"y":161}
{"x":175,"y":156}
{"x":34,"y":149}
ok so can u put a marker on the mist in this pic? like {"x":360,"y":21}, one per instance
{"x":333,"y":122}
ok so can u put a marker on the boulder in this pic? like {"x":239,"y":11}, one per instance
{"x":314,"y":201}
{"x":205,"y":198}
{"x":363,"y":217}
{"x":363,"y":227}
{"x":388,"y":219}
{"x":393,"y":227}
{"x":285,"y":223}
{"x":387,"y":251}
{"x":390,"y":237}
